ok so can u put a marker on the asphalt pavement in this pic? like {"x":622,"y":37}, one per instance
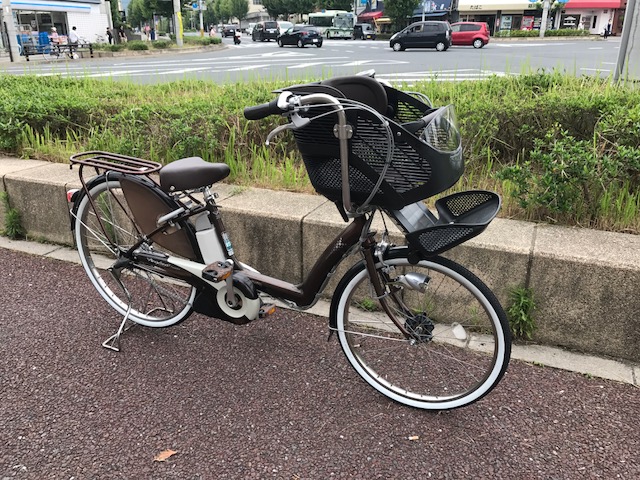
{"x":272,"y":399}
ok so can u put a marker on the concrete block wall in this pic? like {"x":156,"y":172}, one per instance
{"x":585,"y":282}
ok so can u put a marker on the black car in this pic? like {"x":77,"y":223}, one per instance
{"x":301,"y":35}
{"x":429,"y":34}
{"x":265,"y":31}
{"x":363,"y":31}
{"x":229,"y":30}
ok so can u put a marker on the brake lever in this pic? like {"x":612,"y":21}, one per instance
{"x":296,"y":122}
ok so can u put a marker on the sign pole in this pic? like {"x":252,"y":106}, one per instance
{"x":10,"y":30}
{"x":177,"y":22}
{"x":545,"y":16}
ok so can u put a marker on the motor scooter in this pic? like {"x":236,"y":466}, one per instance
{"x":236,"y":37}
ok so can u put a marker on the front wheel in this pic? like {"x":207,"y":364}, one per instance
{"x":103,"y":232}
{"x":397,"y":47}
{"x":300,"y":44}
{"x":458,"y":343}
{"x":280,"y":44}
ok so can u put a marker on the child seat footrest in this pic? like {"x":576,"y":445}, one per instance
{"x":461,"y":216}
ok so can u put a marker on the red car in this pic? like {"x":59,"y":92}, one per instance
{"x":470,"y":33}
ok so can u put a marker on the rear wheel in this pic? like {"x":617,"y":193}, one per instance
{"x":459,"y":343}
{"x":319,"y":44}
{"x":441,"y":46}
{"x":102,"y":236}
{"x":478,"y":43}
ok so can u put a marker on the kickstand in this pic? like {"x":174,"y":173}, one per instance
{"x":113,"y":342}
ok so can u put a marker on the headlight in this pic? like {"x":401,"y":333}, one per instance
{"x":393,"y":36}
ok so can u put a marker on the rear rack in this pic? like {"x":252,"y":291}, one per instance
{"x":114,"y":162}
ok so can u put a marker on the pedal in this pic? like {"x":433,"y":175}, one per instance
{"x":217,"y":271}
{"x":266,"y":309}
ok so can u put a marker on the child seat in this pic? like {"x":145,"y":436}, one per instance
{"x":417,"y":169}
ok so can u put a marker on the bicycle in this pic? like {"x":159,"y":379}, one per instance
{"x":54,"y":52}
{"x":419,"y":328}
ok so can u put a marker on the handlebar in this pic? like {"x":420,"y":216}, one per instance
{"x":264,"y":110}
{"x":275,"y":107}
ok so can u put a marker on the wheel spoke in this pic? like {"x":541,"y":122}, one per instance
{"x":459,"y":347}
{"x":108,"y":231}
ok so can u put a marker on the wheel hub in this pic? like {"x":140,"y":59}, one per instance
{"x":420,"y":327}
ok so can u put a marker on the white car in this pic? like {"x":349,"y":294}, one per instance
{"x":283,"y":27}
{"x":249,"y":29}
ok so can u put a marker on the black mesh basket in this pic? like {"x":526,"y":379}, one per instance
{"x":417,"y":169}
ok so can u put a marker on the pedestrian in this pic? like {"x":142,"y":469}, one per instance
{"x":54,"y":38}
{"x":122,"y":34}
{"x":72,"y":40}
{"x":152,"y":33}
{"x":109,"y":35}
{"x":609,"y":29}
{"x":147,"y":30}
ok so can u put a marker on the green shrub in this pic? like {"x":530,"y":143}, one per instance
{"x":565,"y":32}
{"x":161,"y":44}
{"x":13,"y":220}
{"x":557,"y":147}
{"x":520,"y":312}
{"x":201,"y":40}
{"x":138,"y":45}
{"x":114,"y":48}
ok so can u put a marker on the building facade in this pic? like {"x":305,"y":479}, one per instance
{"x":33,"y":19}
{"x":503,"y":15}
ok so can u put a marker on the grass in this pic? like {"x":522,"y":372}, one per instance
{"x":516,"y":134}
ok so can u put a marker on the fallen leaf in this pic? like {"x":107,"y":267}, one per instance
{"x":414,"y":437}
{"x":162,"y":456}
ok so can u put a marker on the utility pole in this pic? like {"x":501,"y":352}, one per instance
{"x":628,"y":57}
{"x":177,"y":22}
{"x":201,"y":21}
{"x":545,"y":16}
{"x":10,"y":29}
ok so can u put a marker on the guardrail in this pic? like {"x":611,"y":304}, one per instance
{"x":65,"y":49}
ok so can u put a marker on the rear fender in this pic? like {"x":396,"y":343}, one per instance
{"x":147,"y":202}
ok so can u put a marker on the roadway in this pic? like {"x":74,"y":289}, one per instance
{"x":255,"y":60}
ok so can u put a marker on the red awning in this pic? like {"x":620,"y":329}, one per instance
{"x":363,"y":17}
{"x":593,"y":4}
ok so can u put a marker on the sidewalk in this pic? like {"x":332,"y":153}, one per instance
{"x":536,"y":354}
{"x":268,"y":400}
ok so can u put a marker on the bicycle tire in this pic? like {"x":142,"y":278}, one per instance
{"x":51,"y":54}
{"x":462,"y":342}
{"x":156,"y":300}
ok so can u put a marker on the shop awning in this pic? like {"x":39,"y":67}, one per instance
{"x":494,"y":5}
{"x":365,"y":17}
{"x":593,"y":4}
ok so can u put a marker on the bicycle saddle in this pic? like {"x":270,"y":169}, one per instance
{"x":191,"y":172}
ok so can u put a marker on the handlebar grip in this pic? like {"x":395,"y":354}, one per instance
{"x":262,"y":111}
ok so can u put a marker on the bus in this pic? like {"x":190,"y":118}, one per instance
{"x":333,"y":23}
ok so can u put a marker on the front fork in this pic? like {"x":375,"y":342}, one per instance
{"x":388,"y":291}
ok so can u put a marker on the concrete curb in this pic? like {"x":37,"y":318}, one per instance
{"x":584,"y":281}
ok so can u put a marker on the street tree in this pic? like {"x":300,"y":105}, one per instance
{"x":400,"y":11}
